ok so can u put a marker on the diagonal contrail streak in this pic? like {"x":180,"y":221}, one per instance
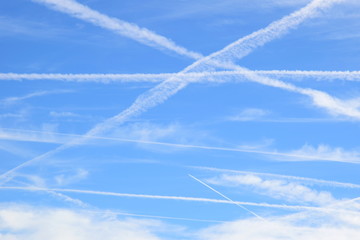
{"x":194,"y":77}
{"x":171,"y":86}
{"x":118,"y":26}
{"x":227,"y":198}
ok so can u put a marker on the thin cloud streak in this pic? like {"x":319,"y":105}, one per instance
{"x":294,"y":178}
{"x":247,"y":44}
{"x":171,"y":86}
{"x":285,"y":190}
{"x":180,"y":198}
{"x":62,"y":138}
{"x":196,"y":77}
{"x":154,"y":216}
{"x":12,"y":100}
{"x":227,"y":198}
{"x":117,"y":26}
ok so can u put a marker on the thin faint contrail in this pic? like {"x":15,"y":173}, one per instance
{"x":154,"y":216}
{"x":11,"y":100}
{"x":180,"y":198}
{"x":171,"y":86}
{"x":197,"y":77}
{"x":295,"y":178}
{"x":227,"y":198}
{"x":12,"y":134}
{"x":117,"y":26}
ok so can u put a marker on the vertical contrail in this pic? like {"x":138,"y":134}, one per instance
{"x":171,"y":86}
{"x":227,"y":198}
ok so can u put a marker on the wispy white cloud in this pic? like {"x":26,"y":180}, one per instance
{"x":307,"y":226}
{"x":322,"y":152}
{"x":249,"y":114}
{"x":146,"y":131}
{"x":15,"y":150}
{"x":279,"y":189}
{"x":63,"y":114}
{"x":12,"y":100}
{"x":306,"y":153}
{"x":12,"y":26}
{"x":71,"y":177}
{"x":34,"y":223}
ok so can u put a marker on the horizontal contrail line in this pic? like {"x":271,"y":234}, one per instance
{"x":162,"y":197}
{"x":12,"y":136}
{"x":154,"y":216}
{"x":192,"y":76}
{"x":296,"y":178}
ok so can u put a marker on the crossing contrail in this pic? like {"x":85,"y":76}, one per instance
{"x":171,"y":86}
{"x":227,"y":198}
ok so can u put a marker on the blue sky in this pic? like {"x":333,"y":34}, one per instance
{"x":109,"y":107}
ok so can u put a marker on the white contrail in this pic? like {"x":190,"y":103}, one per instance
{"x":321,"y":99}
{"x":164,"y":90}
{"x":294,"y":178}
{"x":245,"y":45}
{"x":62,"y":138}
{"x":153,"y":216}
{"x":180,"y":198}
{"x":227,"y":198}
{"x":11,"y":100}
{"x":121,"y":27}
{"x":198,"y":77}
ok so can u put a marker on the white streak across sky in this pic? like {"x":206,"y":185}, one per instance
{"x":121,"y":27}
{"x":281,"y":176}
{"x":179,"y":198}
{"x":196,"y":77}
{"x":240,"y":48}
{"x":63,"y":138}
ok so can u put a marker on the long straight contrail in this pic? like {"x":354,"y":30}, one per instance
{"x":117,"y":26}
{"x":154,"y":216}
{"x":197,"y":77}
{"x":293,"y":178}
{"x":180,"y":198}
{"x":247,"y":44}
{"x":62,"y":138}
{"x":227,"y":198}
{"x":171,"y":86}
